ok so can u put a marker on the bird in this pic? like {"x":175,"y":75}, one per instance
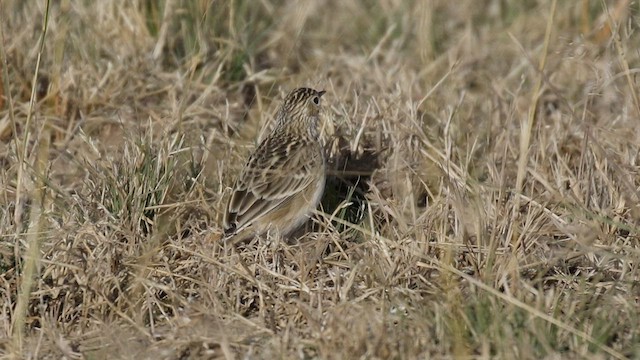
{"x":283,"y":179}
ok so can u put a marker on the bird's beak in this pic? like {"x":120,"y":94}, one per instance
{"x":320,"y":93}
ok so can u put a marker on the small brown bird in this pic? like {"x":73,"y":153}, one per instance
{"x":283,"y":180}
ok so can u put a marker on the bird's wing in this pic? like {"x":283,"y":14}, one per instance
{"x":277,"y":171}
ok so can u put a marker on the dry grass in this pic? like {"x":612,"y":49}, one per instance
{"x":483,"y":198}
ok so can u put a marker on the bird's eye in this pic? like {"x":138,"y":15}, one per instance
{"x":316,"y":100}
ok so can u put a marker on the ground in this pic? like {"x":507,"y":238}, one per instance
{"x":482,"y":197}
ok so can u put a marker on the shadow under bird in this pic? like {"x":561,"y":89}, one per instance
{"x":283,"y":180}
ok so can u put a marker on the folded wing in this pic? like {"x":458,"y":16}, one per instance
{"x":273,"y":175}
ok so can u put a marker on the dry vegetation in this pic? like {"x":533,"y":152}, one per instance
{"x":482,"y":203}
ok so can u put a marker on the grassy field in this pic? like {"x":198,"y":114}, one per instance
{"x":482,"y":200}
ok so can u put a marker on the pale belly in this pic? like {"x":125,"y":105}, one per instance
{"x":311,"y":205}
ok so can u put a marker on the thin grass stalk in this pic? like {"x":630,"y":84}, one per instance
{"x":39,"y":196}
{"x":527,"y":128}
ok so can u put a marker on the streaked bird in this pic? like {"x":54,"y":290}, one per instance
{"x":283,"y":180}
